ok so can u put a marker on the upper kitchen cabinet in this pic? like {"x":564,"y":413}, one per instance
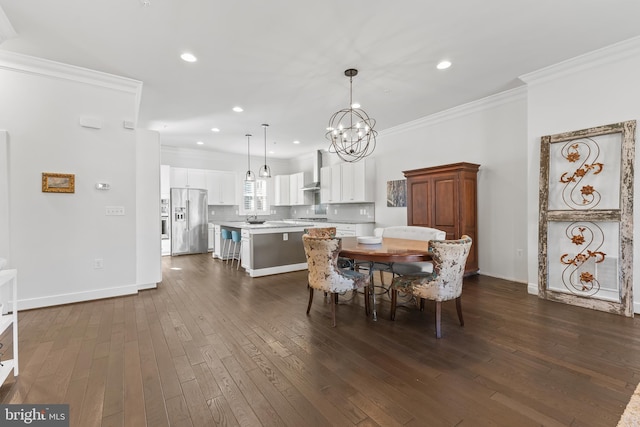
{"x":165,"y":181}
{"x":282,"y":190}
{"x":297,"y":195}
{"x":221,"y":187}
{"x":289,"y":190}
{"x":188,"y":178}
{"x":348,"y":182}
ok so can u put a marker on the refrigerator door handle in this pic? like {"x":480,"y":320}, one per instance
{"x":188,"y":227}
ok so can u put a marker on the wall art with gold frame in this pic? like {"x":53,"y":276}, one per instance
{"x":58,"y":182}
{"x":586,"y":218}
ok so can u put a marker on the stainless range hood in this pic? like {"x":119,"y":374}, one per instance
{"x":317,"y":164}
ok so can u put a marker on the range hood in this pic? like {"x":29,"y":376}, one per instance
{"x":317,"y":164}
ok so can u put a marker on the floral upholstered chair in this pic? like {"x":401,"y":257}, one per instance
{"x":445,"y":283}
{"x":322,"y":248}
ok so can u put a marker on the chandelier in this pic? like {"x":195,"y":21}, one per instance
{"x":350,"y":130}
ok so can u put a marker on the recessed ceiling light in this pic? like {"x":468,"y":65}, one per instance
{"x":272,"y":152}
{"x":200,"y":143}
{"x":355,"y":105}
{"x":175,"y":268}
{"x":215,"y":130}
{"x":443,"y":65}
{"x":296,"y":142}
{"x":188,"y":57}
{"x":238,"y":109}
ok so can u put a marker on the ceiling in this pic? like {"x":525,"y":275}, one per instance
{"x":283,"y":61}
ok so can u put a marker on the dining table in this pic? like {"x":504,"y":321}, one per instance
{"x":385,"y":250}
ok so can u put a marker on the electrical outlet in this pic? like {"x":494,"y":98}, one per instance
{"x":97,"y":263}
{"x":212,"y":213}
{"x":335,"y":211}
{"x":285,"y":236}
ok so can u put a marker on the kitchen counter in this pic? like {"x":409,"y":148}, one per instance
{"x":276,"y":246}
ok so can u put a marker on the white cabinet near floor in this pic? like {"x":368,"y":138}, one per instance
{"x":9,"y":286}
{"x":352,"y":230}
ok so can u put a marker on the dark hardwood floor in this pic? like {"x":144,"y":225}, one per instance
{"x":212,"y":346}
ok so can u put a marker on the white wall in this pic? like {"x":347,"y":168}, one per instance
{"x":148,"y":246}
{"x":491,"y":132}
{"x":592,"y":90}
{"x":55,"y":238}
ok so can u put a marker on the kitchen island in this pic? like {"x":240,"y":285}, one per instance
{"x":270,"y":248}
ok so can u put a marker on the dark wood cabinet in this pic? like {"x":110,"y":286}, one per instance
{"x":445,"y":197}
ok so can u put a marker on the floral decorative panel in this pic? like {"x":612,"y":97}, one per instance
{"x":586,"y":217}
{"x":585,"y":173}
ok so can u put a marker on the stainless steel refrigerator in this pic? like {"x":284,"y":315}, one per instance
{"x":188,"y":221}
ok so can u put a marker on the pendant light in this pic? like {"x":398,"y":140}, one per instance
{"x":265,"y":170}
{"x":351,"y":130}
{"x":249,"y":176}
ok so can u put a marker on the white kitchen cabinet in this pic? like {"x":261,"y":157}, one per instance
{"x":245,"y":250}
{"x":358,"y":181}
{"x":296,"y":183}
{"x":197,"y":178}
{"x":217,"y":241}
{"x":211,"y":237}
{"x":221,"y":187}
{"x":351,"y":229}
{"x":165,"y":181}
{"x":348,"y":182}
{"x":326,"y":195}
{"x":188,"y":178}
{"x":9,"y":286}
{"x":179,"y":177}
{"x":282,"y":190}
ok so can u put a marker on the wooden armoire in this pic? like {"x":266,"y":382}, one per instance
{"x":445,"y":197}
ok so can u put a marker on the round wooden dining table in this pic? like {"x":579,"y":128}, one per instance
{"x":388,"y":251}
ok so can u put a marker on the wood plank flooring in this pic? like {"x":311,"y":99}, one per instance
{"x":211,"y":346}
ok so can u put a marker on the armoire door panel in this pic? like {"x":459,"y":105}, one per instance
{"x":445,"y":214}
{"x":419,"y":194}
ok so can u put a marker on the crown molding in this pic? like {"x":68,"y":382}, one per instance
{"x":606,"y":55}
{"x":6,"y":29}
{"x":43,"y":67}
{"x":492,"y":101}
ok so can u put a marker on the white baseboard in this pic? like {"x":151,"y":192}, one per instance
{"x":51,"y":300}
{"x":147,"y":286}
{"x":532,"y":288}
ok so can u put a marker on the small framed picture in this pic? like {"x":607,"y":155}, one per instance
{"x":58,"y":182}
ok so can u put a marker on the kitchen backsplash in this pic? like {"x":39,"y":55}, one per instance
{"x":359,"y":212}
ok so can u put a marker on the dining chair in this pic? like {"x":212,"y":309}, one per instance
{"x":321,"y":248}
{"x":412,"y":232}
{"x":443,"y":284}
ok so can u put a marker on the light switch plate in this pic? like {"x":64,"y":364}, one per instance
{"x":114,"y":210}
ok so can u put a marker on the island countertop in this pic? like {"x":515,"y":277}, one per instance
{"x":277,"y":226}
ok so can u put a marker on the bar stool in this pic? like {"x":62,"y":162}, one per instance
{"x":226,"y":237}
{"x":236,"y":238}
